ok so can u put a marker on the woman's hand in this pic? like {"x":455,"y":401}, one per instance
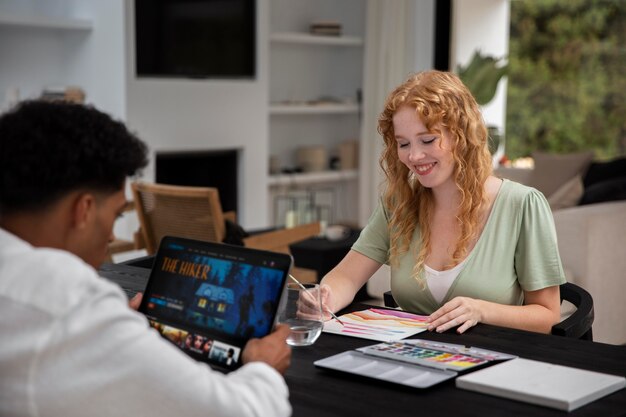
{"x":327,"y":301}
{"x":307,"y":308}
{"x":464,"y":312}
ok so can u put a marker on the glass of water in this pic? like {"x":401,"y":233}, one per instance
{"x":301,"y":309}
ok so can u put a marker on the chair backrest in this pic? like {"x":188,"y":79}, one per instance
{"x":190,"y":212}
{"x":577,"y":325}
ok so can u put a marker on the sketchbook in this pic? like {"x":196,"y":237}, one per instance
{"x":413,"y":363}
{"x":378,"y":324}
{"x":542,"y":383}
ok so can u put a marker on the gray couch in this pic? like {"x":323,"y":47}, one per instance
{"x":588,"y":201}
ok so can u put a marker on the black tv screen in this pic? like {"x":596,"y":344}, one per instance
{"x":195,"y":38}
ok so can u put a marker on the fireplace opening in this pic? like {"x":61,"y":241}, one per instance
{"x":217,"y":168}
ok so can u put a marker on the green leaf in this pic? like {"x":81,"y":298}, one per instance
{"x":481,"y":76}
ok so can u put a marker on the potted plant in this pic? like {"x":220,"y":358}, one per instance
{"x":481,"y":76}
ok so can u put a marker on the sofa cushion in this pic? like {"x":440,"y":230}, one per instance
{"x":568,"y":194}
{"x":553,"y":170}
{"x":521,"y":175}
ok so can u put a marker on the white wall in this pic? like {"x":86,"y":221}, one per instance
{"x":208,"y":114}
{"x":423,"y":48}
{"x":483,"y":25}
{"x":100,"y":63}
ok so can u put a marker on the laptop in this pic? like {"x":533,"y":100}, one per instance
{"x":210,"y":298}
{"x":132,"y":279}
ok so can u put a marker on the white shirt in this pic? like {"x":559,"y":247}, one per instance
{"x":70,"y":346}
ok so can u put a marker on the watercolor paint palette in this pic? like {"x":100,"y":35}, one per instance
{"x":414,"y":363}
{"x":436,"y":357}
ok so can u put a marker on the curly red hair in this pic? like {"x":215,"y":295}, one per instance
{"x":440,"y":100}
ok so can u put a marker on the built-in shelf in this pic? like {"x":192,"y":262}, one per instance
{"x":338,"y":108}
{"x":313,"y":177}
{"x":44,"y":22}
{"x":306,"y":38}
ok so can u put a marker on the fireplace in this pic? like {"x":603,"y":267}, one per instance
{"x":215,"y":168}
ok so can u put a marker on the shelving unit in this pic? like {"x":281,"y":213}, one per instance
{"x":44,"y":22}
{"x":338,"y":108}
{"x":314,"y":96}
{"x":313,"y":177}
{"x":306,"y":38}
{"x":54,"y":44}
{"x":40,"y":50}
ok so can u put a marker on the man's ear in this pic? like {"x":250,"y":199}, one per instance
{"x":83,"y":210}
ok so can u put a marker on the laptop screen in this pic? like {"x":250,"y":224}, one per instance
{"x":210,"y":298}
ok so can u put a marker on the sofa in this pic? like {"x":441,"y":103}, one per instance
{"x":592,"y":244}
{"x":588,"y":201}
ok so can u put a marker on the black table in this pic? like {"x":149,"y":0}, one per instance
{"x":318,"y":392}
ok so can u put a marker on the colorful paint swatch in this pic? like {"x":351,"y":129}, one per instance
{"x":378,"y":324}
{"x":435,"y":358}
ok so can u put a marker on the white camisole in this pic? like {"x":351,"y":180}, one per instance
{"x":439,"y":282}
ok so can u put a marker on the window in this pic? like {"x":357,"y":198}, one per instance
{"x":567,"y":77}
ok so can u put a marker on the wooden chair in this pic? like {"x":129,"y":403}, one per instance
{"x":279,"y":241}
{"x":196,"y":213}
{"x":577,"y":326}
{"x":122,"y":245}
{"x":191,"y":212}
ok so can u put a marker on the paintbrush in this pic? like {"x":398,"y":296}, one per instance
{"x":305,"y":289}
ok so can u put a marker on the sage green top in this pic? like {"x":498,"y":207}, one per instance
{"x":516,"y":251}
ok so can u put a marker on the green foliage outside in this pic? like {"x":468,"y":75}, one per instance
{"x":567,"y":77}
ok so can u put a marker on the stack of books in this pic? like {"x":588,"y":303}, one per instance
{"x":73,"y":94}
{"x":326,"y":28}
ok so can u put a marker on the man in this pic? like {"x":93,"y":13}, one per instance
{"x":70,"y":344}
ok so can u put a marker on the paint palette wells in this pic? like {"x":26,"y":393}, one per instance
{"x":414,"y":363}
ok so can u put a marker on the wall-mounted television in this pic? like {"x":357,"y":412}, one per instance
{"x":195,"y":38}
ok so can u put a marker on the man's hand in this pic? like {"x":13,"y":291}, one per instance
{"x":272,"y":349}
{"x":135,"y":302}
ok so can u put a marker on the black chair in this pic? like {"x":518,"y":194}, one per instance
{"x":578,"y":325}
{"x":389,"y":300}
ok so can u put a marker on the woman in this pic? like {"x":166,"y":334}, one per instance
{"x":463,"y":246}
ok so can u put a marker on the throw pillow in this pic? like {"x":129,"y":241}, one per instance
{"x":605,"y":170}
{"x":568,"y":194}
{"x":553,"y":170}
{"x":609,"y":190}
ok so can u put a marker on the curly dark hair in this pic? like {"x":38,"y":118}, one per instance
{"x":48,"y":149}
